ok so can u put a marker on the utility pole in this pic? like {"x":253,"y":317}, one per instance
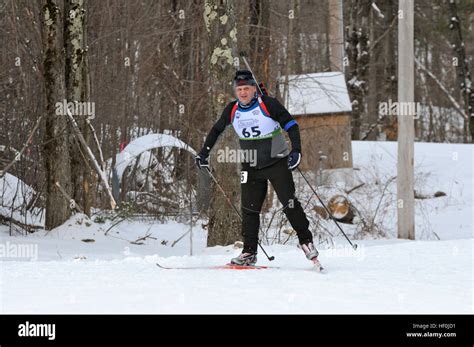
{"x":406,"y":129}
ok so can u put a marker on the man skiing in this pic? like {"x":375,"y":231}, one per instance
{"x":258,"y":121}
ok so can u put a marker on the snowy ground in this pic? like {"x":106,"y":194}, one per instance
{"x":58,"y":272}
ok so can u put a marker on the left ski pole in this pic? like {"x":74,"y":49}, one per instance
{"x":271,"y":258}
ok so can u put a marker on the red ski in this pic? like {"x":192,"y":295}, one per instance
{"x":219,"y":267}
{"x":317,"y":266}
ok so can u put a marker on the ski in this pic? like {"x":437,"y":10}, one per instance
{"x":218,"y":267}
{"x":316,"y":266}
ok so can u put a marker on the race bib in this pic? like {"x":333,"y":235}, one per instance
{"x":244,"y":175}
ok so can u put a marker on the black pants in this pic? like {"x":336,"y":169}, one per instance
{"x":254,"y":191}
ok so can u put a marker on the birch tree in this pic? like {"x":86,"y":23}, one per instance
{"x":224,"y":224}
{"x":75,"y":92}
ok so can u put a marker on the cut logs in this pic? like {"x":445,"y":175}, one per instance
{"x":340,"y":208}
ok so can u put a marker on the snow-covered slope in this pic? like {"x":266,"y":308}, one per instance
{"x":395,"y":277}
{"x":447,"y":168}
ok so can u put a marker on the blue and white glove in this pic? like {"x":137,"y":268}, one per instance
{"x":294,"y":159}
{"x":201,"y":162}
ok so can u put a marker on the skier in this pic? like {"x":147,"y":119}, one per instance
{"x":258,"y":121}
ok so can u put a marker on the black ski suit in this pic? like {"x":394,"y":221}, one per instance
{"x":265,"y":113}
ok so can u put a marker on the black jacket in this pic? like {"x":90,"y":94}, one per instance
{"x":267,"y":154}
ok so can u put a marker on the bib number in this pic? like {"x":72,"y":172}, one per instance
{"x":244,"y":175}
{"x":255,"y":132}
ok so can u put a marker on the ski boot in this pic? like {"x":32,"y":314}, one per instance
{"x":245,"y":259}
{"x":312,"y":254}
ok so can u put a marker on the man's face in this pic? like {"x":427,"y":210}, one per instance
{"x":245,"y":93}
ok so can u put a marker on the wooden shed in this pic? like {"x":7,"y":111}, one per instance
{"x":320,"y":104}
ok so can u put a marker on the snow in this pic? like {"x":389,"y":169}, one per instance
{"x":377,"y":10}
{"x":438,"y":167}
{"x":14,"y":191}
{"x":145,"y":143}
{"x":14,"y":196}
{"x":318,"y":93}
{"x":64,"y":274}
{"x":397,"y":277}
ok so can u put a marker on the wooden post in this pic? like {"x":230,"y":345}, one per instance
{"x":406,"y":130}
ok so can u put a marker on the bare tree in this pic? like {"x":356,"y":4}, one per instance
{"x":56,"y":150}
{"x":259,"y":37}
{"x":75,"y":92}
{"x":357,"y":51}
{"x":462,"y":67}
{"x":149,"y":62}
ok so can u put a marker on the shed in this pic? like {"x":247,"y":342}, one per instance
{"x":320,"y":104}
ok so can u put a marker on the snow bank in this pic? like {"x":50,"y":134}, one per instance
{"x":317,"y":93}
{"x":14,"y":196}
{"x":145,"y":143}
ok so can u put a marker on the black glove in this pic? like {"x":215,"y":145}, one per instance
{"x":201,"y":162}
{"x":294,"y":159}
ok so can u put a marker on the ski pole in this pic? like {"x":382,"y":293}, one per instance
{"x":242,"y":54}
{"x":354,"y":246}
{"x":235,"y":209}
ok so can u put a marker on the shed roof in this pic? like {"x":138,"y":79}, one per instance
{"x":317,"y":93}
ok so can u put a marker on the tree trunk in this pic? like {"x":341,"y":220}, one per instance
{"x":259,"y":34}
{"x":390,"y":67}
{"x":56,"y":147}
{"x":358,"y":55}
{"x":259,"y":47}
{"x":289,"y":52}
{"x":224,"y":224}
{"x":297,"y":49}
{"x":462,"y":68}
{"x":88,"y":182}
{"x":75,"y":92}
{"x":364,"y":60}
{"x":375,"y":76}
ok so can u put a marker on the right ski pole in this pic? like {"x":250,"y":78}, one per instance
{"x":235,"y":209}
{"x":354,"y":246}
